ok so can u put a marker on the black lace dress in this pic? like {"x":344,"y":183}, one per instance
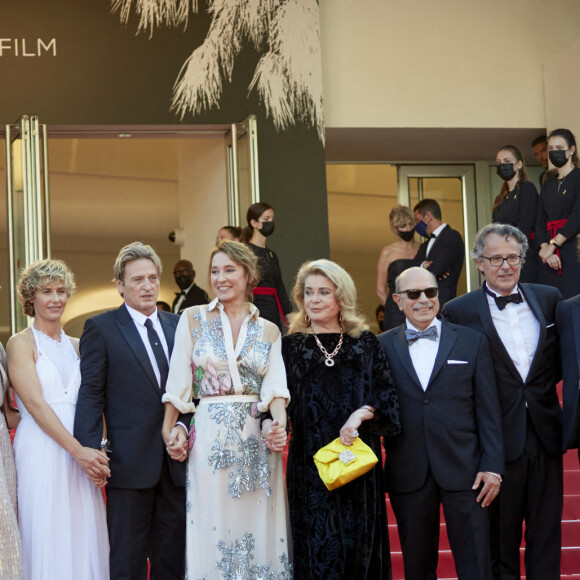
{"x":343,"y":533}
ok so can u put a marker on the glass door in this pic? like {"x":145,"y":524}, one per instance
{"x":27,"y":203}
{"x":243,"y":178}
{"x":453,"y":187}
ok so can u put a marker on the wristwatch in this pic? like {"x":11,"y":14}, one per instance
{"x":554,"y":243}
{"x":106,"y":445}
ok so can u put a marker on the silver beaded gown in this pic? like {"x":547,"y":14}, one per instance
{"x":10,"y":547}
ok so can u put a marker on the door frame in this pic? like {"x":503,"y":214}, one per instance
{"x":466,"y":174}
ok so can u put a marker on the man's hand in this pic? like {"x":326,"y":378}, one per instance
{"x":95,"y":464}
{"x":176,"y":443}
{"x":490,"y":489}
{"x":274,"y":435}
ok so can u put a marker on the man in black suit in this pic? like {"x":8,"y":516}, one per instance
{"x":191,"y":294}
{"x":451,"y":451}
{"x":124,"y":365}
{"x":443,"y":252}
{"x":518,"y":320}
{"x":568,"y":323}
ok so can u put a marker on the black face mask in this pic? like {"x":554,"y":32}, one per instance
{"x":558,"y":157}
{"x":267,"y":229}
{"x":505,"y":170}
{"x":184,"y":281}
{"x":406,"y":236}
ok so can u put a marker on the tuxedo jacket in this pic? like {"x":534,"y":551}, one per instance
{"x":568,"y":322}
{"x":194,"y":297}
{"x":454,"y":426}
{"x":447,"y":255}
{"x":538,"y":393}
{"x":117,"y":379}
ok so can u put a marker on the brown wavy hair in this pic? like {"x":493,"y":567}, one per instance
{"x":522,"y":175}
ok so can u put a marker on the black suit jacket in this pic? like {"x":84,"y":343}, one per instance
{"x":117,"y":379}
{"x":568,"y":322}
{"x":194,"y":297}
{"x":447,"y":255}
{"x":539,"y":389}
{"x":454,"y":427}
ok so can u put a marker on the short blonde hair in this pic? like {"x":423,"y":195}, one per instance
{"x":401,"y":215}
{"x":243,"y":256}
{"x":131,"y":253}
{"x":37,"y":275}
{"x":353,"y":322}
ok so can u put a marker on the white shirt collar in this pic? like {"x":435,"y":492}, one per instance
{"x":439,"y":229}
{"x":215,"y":303}
{"x":435,"y":322}
{"x":139,"y":317}
{"x":515,"y":290}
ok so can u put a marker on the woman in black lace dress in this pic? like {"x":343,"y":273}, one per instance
{"x":340,"y":385}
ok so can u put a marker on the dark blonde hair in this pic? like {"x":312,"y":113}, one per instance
{"x":353,"y":322}
{"x":242,"y":256}
{"x":400,"y":215}
{"x":131,"y":253}
{"x":37,"y":275}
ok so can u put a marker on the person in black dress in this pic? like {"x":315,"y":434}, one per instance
{"x":517,"y":204}
{"x":270,"y":296}
{"x":340,"y":385}
{"x":558,"y":223}
{"x":394,"y":259}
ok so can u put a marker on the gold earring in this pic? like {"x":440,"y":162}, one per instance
{"x":340,"y":317}
{"x":307,"y":319}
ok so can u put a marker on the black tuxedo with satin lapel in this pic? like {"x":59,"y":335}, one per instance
{"x":447,"y":253}
{"x":568,"y":322}
{"x":539,"y":389}
{"x":145,"y":493}
{"x":531,"y":418}
{"x":453,"y":427}
{"x":451,"y":431}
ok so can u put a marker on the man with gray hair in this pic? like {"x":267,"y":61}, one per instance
{"x":124,"y":365}
{"x":519,"y":321}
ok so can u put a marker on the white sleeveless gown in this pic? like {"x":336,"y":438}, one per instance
{"x":61,"y":514}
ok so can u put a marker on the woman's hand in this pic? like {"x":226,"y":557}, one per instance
{"x":94,"y":463}
{"x":176,"y":443}
{"x":554,"y":262}
{"x":349,"y":431}
{"x":274,"y":434}
{"x":546,"y":250}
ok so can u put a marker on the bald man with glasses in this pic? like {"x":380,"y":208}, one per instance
{"x":519,"y":322}
{"x":450,"y":452}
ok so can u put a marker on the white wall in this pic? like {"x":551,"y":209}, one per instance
{"x":202,"y":194}
{"x":562,"y":84}
{"x":449,"y":63}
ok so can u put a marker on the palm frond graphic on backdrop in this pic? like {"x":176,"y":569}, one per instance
{"x":288,"y":76}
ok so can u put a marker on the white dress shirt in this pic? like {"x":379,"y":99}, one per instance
{"x":139,"y":321}
{"x":518,"y":329}
{"x":423,"y":353}
{"x":436,"y":234}
{"x":184,"y":294}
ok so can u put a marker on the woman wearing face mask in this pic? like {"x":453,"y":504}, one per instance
{"x":270,"y":296}
{"x":395,"y":258}
{"x":558,"y":223}
{"x":517,"y":204}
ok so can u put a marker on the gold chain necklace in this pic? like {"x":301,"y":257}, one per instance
{"x":329,"y":356}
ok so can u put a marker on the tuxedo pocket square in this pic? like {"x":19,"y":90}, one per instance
{"x":550,"y":325}
{"x":457,"y":362}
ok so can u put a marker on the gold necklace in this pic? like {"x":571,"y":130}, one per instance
{"x":329,"y":356}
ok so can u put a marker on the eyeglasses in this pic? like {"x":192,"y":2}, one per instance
{"x":414,"y":294}
{"x":497,"y":261}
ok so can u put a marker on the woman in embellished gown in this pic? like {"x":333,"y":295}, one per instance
{"x":10,"y":546}
{"x":236,"y":505}
{"x":517,"y":204}
{"x":558,"y":223}
{"x":61,"y":511}
{"x":340,"y":385}
{"x":394,"y":259}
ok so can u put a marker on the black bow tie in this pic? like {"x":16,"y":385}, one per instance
{"x":182,"y":293}
{"x":503,"y":301}
{"x":431,"y":237}
{"x":430,"y":333}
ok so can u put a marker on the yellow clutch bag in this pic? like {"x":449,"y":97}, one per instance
{"x":338,"y":464}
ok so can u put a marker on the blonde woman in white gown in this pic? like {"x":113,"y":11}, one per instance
{"x":61,"y":511}
{"x":236,"y":506}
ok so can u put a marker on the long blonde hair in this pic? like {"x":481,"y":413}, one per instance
{"x":353,"y":322}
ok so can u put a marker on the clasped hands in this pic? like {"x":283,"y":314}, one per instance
{"x":176,"y":443}
{"x":274,"y":434}
{"x":95,"y":464}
